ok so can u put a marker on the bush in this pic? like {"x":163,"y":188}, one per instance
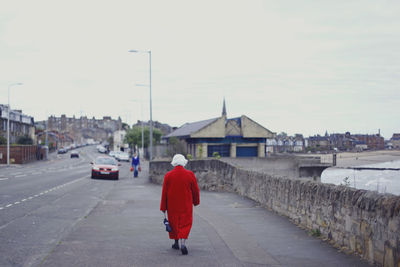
{"x":3,"y":140}
{"x":24,"y":140}
{"x":216,"y":155}
{"x":189,"y":156}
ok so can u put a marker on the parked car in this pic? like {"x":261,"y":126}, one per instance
{"x":122,"y":156}
{"x":112,"y":153}
{"x":102,"y":149}
{"x":74,"y":154}
{"x":105,"y":167}
{"x":62,"y":151}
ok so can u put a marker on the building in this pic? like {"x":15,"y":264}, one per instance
{"x":395,"y":140}
{"x":373,"y":142}
{"x":20,"y":124}
{"x":83,"y":128}
{"x":118,"y":139}
{"x":235,"y":137}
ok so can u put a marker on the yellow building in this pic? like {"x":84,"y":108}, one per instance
{"x":235,"y":137}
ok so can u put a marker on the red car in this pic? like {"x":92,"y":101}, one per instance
{"x":105,"y":167}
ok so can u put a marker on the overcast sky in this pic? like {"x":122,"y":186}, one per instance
{"x":295,"y":66}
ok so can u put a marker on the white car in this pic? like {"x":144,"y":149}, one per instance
{"x":102,"y":149}
{"x":122,"y":156}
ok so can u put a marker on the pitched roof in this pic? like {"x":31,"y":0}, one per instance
{"x":188,"y":128}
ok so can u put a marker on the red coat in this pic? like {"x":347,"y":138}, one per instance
{"x":180,"y":192}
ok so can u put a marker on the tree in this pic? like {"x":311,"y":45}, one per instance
{"x":125,"y":126}
{"x":3,"y":140}
{"x":283,"y":134}
{"x":110,"y":141}
{"x":24,"y":140}
{"x":175,"y":146}
{"x":133,"y":136}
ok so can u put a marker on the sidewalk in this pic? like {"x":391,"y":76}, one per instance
{"x":126,"y":229}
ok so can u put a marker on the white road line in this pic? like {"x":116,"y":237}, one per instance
{"x":22,"y":175}
{"x":3,"y":179}
{"x":42,"y":193}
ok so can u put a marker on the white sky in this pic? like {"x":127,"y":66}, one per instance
{"x":294,"y":66}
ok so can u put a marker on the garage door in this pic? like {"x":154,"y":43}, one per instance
{"x":246,"y":151}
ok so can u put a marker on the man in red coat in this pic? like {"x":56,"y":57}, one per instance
{"x":180,"y":192}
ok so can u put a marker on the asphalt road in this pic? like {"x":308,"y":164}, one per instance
{"x":41,"y":202}
{"x":60,"y":217}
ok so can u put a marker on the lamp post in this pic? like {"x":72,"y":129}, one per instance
{"x":8,"y":123}
{"x":141,"y":119}
{"x":151,"y":116}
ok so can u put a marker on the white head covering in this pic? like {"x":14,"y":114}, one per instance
{"x":179,"y":159}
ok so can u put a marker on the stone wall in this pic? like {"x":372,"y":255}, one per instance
{"x":360,"y":221}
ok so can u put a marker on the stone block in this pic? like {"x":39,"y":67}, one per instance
{"x":394,"y":224}
{"x":378,"y":257}
{"x":388,"y":260}
{"x":352,"y":242}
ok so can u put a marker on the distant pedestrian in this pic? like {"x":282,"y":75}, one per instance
{"x":180,"y":192}
{"x":135,"y":164}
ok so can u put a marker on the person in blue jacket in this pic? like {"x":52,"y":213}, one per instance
{"x":135,"y":164}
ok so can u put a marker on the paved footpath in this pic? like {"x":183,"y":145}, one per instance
{"x":125,"y":229}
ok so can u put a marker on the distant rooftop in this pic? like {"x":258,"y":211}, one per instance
{"x":188,"y":128}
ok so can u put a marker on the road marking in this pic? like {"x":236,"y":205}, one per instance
{"x":22,"y":175}
{"x":44,"y":192}
{"x":3,"y":179}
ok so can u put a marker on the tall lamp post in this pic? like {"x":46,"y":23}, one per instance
{"x":141,"y":119}
{"x":151,"y":116}
{"x":8,"y":123}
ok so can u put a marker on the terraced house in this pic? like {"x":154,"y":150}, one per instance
{"x":20,"y":124}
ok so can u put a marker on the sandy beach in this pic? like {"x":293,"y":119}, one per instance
{"x":353,"y":159}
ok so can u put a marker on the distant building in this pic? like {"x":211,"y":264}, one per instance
{"x":374,"y":141}
{"x":83,"y":128}
{"x":345,"y":142}
{"x":395,"y":140}
{"x":20,"y":124}
{"x":319,"y":143}
{"x":235,"y":137}
{"x":118,"y":138}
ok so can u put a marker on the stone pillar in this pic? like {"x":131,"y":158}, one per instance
{"x":261,"y":150}
{"x":204,"y":150}
{"x":233,"y":150}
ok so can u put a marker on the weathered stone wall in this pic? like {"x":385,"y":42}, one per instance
{"x":361,"y":221}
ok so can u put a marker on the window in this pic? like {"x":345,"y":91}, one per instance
{"x":223,"y":150}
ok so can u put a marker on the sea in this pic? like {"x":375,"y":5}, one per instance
{"x":380,"y":177}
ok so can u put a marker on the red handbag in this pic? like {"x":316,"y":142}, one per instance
{"x":131,"y":169}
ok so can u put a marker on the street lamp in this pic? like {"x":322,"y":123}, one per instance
{"x":8,"y":123}
{"x":141,"y":119}
{"x":151,"y":117}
